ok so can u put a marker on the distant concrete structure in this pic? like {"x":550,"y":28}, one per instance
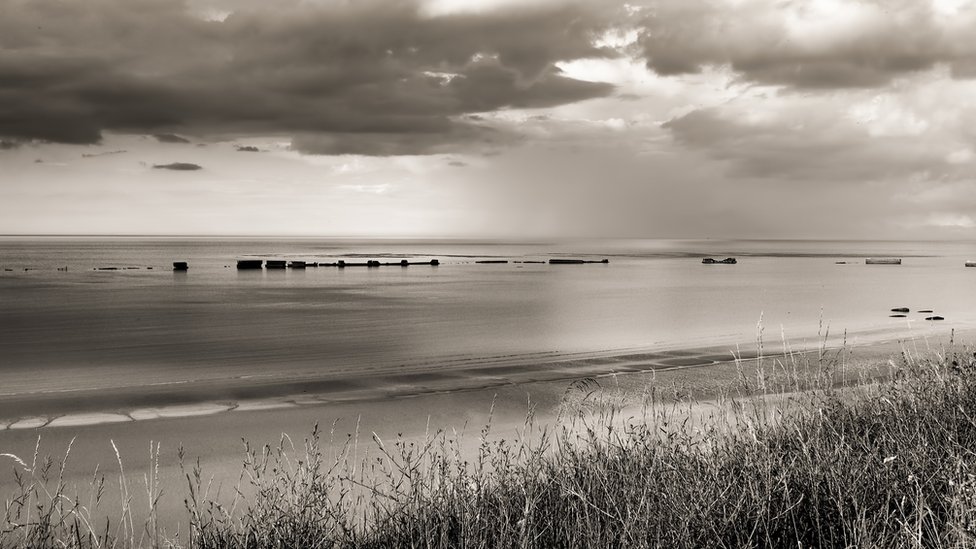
{"x":245,"y":264}
{"x":567,"y":261}
{"x":558,"y":261}
{"x":374,"y":263}
{"x":297,"y":264}
{"x":971,"y":263}
{"x":726,"y":261}
{"x":883,"y":261}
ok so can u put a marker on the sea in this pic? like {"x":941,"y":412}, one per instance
{"x":88,"y":323}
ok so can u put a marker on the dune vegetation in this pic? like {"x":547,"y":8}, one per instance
{"x":789,"y":456}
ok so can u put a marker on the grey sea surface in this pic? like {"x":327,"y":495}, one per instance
{"x":77,"y":338}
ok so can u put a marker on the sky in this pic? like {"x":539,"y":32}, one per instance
{"x":489,"y":118}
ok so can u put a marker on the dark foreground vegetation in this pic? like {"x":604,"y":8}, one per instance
{"x":889,"y":463}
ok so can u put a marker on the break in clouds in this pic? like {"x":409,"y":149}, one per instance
{"x":396,"y":77}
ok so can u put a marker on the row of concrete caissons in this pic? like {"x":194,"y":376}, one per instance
{"x":247,"y":264}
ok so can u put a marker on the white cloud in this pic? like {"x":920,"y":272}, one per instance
{"x":961,"y":156}
{"x":951,"y":220}
{"x":882,"y":115}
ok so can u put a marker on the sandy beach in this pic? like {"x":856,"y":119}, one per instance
{"x":213,"y":432}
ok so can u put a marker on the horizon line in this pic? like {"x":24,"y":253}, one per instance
{"x":472,"y":237}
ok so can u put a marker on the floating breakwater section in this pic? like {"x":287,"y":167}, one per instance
{"x":244,"y":264}
{"x":249,"y":263}
{"x":576,"y":261}
{"x":274,"y":264}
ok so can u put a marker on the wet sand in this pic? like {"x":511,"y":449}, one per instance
{"x":204,"y":397}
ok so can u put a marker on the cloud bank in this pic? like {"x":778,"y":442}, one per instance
{"x":823,"y":44}
{"x":369,"y":77}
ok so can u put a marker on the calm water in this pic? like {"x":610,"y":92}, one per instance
{"x":84,"y":329}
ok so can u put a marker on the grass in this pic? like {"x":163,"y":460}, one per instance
{"x":795,"y":453}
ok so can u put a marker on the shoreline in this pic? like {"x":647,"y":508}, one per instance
{"x":174,"y":400}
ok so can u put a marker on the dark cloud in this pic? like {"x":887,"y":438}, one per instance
{"x":457,"y":164}
{"x":800,"y":148}
{"x":178,"y":166}
{"x":170,"y":138}
{"x":487,"y":86}
{"x":862,"y":44}
{"x":105,"y":153}
{"x":326,"y":72}
{"x":6,"y":145}
{"x":379,"y":144}
{"x":247,"y":148}
{"x":449,"y":136}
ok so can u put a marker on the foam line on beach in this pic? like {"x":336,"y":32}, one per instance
{"x":78,"y":420}
{"x":142,"y":414}
{"x":268,"y":404}
{"x":30,"y":423}
{"x":183,"y":410}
